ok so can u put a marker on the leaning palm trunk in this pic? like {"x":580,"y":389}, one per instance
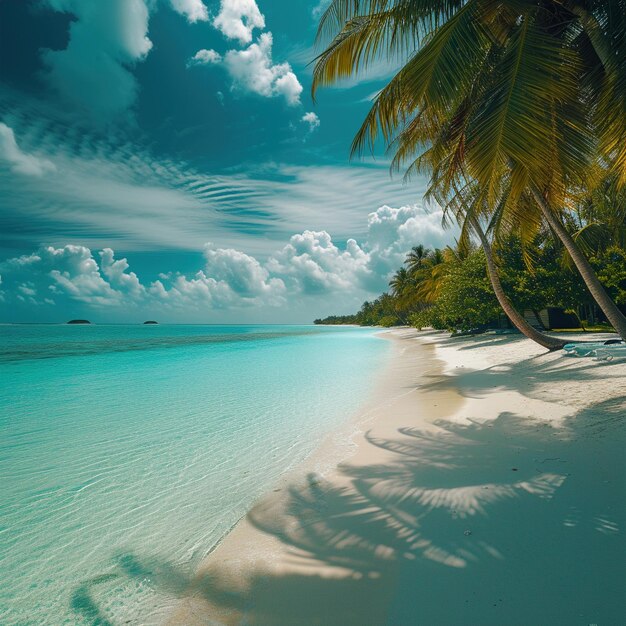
{"x":511,"y":312}
{"x":616,"y":318}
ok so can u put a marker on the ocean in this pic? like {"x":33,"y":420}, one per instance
{"x":128,"y":452}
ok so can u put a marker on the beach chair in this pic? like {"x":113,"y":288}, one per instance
{"x":590,"y":348}
{"x":610,"y":352}
{"x":581,"y":349}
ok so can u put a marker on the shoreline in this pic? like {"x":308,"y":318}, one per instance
{"x":404,"y":526}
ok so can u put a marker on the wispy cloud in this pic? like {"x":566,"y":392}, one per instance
{"x":105,"y":189}
{"x":19,"y":161}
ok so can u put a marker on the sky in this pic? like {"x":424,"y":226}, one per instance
{"x":164,"y":159}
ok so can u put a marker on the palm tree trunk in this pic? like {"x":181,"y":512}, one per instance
{"x":512,"y":313}
{"x":616,"y":318}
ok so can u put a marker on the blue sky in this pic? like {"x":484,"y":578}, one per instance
{"x":164,"y":159}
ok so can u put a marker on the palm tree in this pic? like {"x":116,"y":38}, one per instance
{"x":433,"y":279}
{"x":404,"y":288}
{"x":495,"y":91}
{"x":416,"y":257}
{"x":465,"y":203}
{"x":602,"y":215}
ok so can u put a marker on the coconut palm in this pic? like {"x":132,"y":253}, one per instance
{"x":402,"y":287}
{"x":416,"y":257}
{"x":602,"y":213}
{"x":492,"y":91}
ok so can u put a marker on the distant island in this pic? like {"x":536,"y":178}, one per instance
{"x":79,"y":322}
{"x":151,"y":322}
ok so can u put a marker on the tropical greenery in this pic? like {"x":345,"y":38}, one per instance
{"x":450,"y":288}
{"x":515,"y":109}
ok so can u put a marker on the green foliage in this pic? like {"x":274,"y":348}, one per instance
{"x":450,"y":289}
{"x":388,"y":321}
{"x":337,"y":319}
{"x":611,"y":268}
{"x":548,"y":283}
{"x":510,"y":107}
{"x":379,"y":312}
{"x":466,"y":299}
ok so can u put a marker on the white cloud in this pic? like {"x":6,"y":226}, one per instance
{"x":287,"y":83}
{"x":71,"y":271}
{"x":242,"y":273}
{"x":205,"y":57}
{"x":18,"y":160}
{"x":316,"y":265}
{"x":311,"y":119}
{"x":116,"y":273}
{"x":229,"y":279}
{"x":310,"y":264}
{"x":104,"y":40}
{"x":392,"y":232}
{"x":105,"y":192}
{"x":193,"y":10}
{"x":253,"y":70}
{"x":238,"y":18}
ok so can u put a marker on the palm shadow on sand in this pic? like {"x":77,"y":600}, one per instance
{"x":507,"y":521}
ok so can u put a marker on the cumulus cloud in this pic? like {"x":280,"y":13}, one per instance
{"x":253,"y":70}
{"x":392,"y":232}
{"x":19,"y":161}
{"x":238,"y":18}
{"x":230,"y":278}
{"x":193,"y":10}
{"x":311,"y":119}
{"x":309,"y":264}
{"x":314,"y":264}
{"x":70,"y":270}
{"x":115,"y":271}
{"x":105,"y":39}
{"x":243,"y":273}
{"x":205,"y":57}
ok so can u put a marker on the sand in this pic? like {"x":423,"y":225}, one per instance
{"x":484,"y":485}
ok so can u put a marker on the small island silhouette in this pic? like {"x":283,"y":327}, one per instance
{"x":79,"y":322}
{"x":151,"y":322}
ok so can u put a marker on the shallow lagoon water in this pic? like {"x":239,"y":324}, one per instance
{"x":128,"y":452}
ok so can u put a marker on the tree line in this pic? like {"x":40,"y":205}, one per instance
{"x":449,"y":289}
{"x":516,"y":112}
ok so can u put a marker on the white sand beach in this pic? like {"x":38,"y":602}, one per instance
{"x":484,"y":485}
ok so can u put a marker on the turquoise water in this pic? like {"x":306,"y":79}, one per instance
{"x":127,"y":452}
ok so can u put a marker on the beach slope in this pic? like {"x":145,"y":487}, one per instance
{"x":485,"y":486}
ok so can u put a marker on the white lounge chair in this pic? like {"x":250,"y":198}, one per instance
{"x":608,"y":353}
{"x":589,"y":348}
{"x":582,"y":349}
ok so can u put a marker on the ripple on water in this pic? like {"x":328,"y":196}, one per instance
{"x":121,"y":468}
